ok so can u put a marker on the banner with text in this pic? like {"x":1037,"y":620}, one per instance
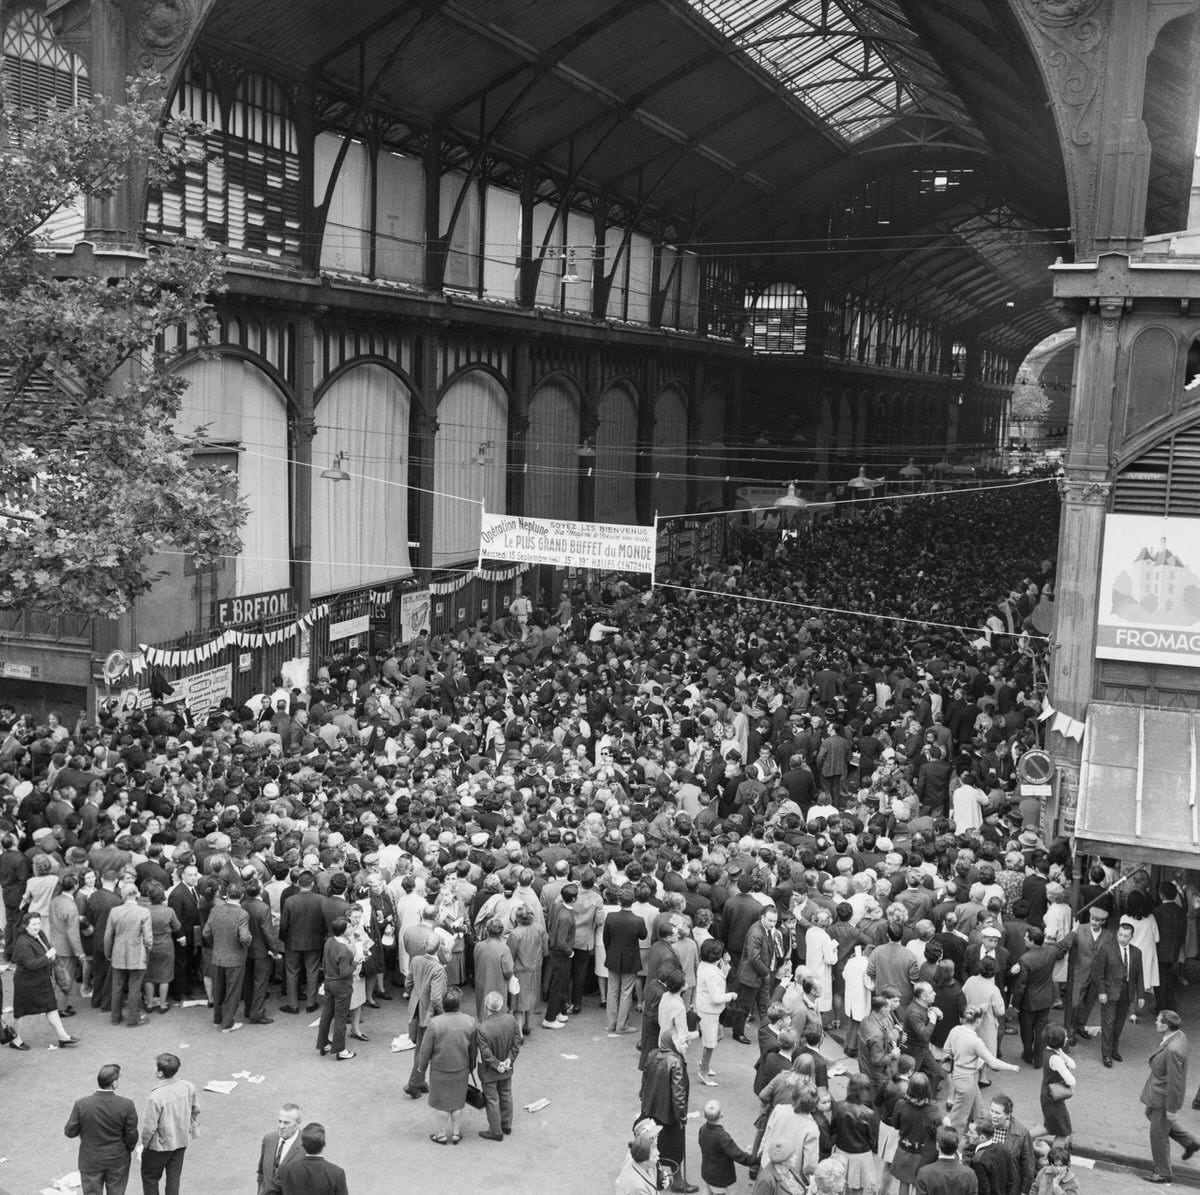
{"x":613,"y":546}
{"x":1150,"y":590}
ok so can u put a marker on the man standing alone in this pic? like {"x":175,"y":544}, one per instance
{"x":623,"y":933}
{"x":168,"y":1125}
{"x":106,"y":1125}
{"x":498,"y":1040}
{"x":1164,"y":1094}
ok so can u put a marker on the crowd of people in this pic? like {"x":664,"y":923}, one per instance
{"x":777,"y":788}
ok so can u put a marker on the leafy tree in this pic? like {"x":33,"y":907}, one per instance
{"x":93,"y":477}
{"x":1029,"y":402}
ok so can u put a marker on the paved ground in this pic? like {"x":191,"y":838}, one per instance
{"x":381,"y":1137}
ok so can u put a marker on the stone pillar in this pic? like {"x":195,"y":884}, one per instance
{"x":1073,"y":662}
{"x":1085,"y":499}
{"x":518,"y":428}
{"x":302,"y":468}
{"x":119,"y":41}
{"x":422,"y":442}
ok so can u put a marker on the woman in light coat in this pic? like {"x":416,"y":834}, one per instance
{"x":820,"y":955}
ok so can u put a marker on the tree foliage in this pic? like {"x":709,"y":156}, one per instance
{"x":94,"y":478}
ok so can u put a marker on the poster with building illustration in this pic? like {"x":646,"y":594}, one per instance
{"x":1150,"y":590}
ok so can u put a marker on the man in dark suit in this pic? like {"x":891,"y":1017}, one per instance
{"x":1086,"y":944}
{"x":1172,"y":922}
{"x":280,"y":1149}
{"x":99,"y":907}
{"x":1164,"y":1094}
{"x":1033,"y":992}
{"x":755,"y":974}
{"x":264,"y":945}
{"x":623,"y":933}
{"x":947,"y":1176}
{"x":107,"y":1127}
{"x":776,"y":1059}
{"x":15,"y":869}
{"x":184,"y":899}
{"x":302,"y":929}
{"x":1118,"y":971}
{"x":497,"y":1042}
{"x":740,"y":912}
{"x":312,"y":1174}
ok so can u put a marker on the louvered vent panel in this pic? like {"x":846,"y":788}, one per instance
{"x":1163,"y":481}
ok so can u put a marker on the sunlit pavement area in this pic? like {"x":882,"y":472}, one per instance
{"x":381,"y":1137}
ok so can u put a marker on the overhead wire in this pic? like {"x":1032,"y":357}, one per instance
{"x":749,"y":597}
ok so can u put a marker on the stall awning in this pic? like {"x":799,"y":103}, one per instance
{"x":1139,"y":786}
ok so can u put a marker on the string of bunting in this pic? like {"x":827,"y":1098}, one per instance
{"x":198,"y":655}
{"x":1064,"y":724}
{"x":493,"y":576}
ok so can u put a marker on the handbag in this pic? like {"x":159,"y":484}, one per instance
{"x":474,"y":1093}
{"x":693,"y":1020}
{"x":1059,"y":1092}
{"x":514,"y":986}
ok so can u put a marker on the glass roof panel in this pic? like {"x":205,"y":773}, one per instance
{"x":857,"y":64}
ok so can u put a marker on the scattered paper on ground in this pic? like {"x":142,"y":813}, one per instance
{"x":402,"y":1043}
{"x":570,"y":1057}
{"x":1083,"y":1163}
{"x":257,"y":1079}
{"x":194,"y":1004}
{"x":537,"y":1105}
{"x":220,"y":1086}
{"x":315,"y":1024}
{"x":241,"y":1074}
{"x":69,"y":1182}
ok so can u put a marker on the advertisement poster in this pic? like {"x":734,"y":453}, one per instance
{"x":201,"y":693}
{"x":622,"y":546}
{"x":1150,"y":590}
{"x":414,"y":615}
{"x":1068,"y":800}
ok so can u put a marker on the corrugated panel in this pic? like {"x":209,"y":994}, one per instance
{"x":1164,"y":481}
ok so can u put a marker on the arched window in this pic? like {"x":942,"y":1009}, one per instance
{"x":240,"y":185}
{"x":777,"y":319}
